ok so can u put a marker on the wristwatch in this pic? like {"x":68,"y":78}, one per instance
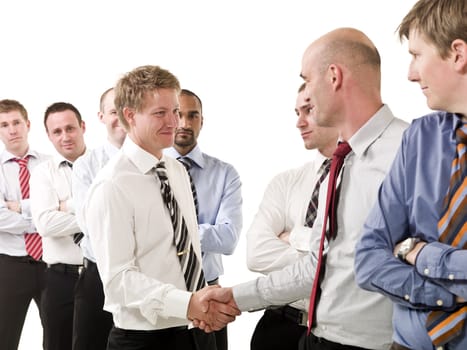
{"x":406,"y":247}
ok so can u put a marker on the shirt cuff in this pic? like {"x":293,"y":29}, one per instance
{"x":176,"y":303}
{"x":246,"y":296}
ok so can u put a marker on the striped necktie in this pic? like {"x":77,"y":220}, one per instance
{"x":329,"y":215}
{"x":188,"y":164}
{"x":191,"y":266}
{"x":33,"y":240}
{"x":313,"y":205}
{"x":444,"y":326}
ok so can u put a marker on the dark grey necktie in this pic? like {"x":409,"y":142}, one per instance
{"x":191,"y":266}
{"x":188,"y":164}
{"x":313,"y":205}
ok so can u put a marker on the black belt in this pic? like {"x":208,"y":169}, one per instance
{"x":170,"y":330}
{"x":291,"y":314}
{"x":312,"y":339}
{"x":65,"y":268}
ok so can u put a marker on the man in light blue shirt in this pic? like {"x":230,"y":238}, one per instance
{"x":218,"y":190}
{"x":402,"y":253}
{"x":92,"y":324}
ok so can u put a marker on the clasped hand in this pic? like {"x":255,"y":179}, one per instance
{"x":212,"y":308}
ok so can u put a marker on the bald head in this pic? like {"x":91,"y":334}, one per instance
{"x":346,"y":46}
{"x":342,"y":72}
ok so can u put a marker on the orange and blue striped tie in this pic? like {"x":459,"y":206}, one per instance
{"x":444,"y":326}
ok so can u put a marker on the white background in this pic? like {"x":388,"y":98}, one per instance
{"x":241,"y":57}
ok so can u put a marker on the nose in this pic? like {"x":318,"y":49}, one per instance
{"x":301,"y":120}
{"x":412,"y":74}
{"x":12,"y":129}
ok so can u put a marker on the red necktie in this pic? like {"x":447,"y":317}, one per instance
{"x":33,"y":240}
{"x":330,"y":213}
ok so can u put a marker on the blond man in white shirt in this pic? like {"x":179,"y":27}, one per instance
{"x":53,"y":213}
{"x":131,"y":229}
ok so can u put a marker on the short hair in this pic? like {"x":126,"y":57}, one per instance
{"x":13,"y":105}
{"x":133,"y":87}
{"x":439,"y":21}
{"x":61,"y":107}
{"x":187,"y":92}
{"x":101,"y":101}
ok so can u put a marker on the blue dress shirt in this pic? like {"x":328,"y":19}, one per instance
{"x":218,"y":188}
{"x":409,"y":204}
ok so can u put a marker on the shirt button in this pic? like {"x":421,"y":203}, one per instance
{"x":440,"y":348}
{"x":406,"y":297}
{"x":439,"y":302}
{"x":426,"y":271}
{"x":324,"y":327}
{"x":451,"y":276}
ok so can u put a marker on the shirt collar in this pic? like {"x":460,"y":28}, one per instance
{"x":7,"y":156}
{"x":371,"y":130}
{"x":143,"y":160}
{"x":195,"y":155}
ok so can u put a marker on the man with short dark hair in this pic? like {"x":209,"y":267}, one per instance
{"x":54,"y":215}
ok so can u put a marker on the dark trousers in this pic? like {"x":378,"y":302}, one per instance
{"x":58,"y":304}
{"x":91,"y":324}
{"x":311,"y":342}
{"x":176,"y":338}
{"x":276,"y":331}
{"x":21,"y":280}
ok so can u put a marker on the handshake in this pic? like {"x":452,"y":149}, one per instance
{"x":212,"y":307}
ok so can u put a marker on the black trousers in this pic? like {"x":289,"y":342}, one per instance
{"x":21,"y":280}
{"x":91,"y":324}
{"x":276,"y":331}
{"x":311,"y":342}
{"x":177,"y":338}
{"x":57,"y":306}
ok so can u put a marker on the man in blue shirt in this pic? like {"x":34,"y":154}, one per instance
{"x":402,"y":253}
{"x":218,"y":190}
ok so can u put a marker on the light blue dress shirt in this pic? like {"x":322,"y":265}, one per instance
{"x":409,"y":205}
{"x":85,"y":169}
{"x":220,"y":220}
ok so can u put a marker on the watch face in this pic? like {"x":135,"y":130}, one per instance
{"x":405,"y":247}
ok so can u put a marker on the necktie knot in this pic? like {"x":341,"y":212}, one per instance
{"x":161,"y":171}
{"x":343,"y":148}
{"x":22,"y":162}
{"x":67,"y":163}
{"x":187,"y":162}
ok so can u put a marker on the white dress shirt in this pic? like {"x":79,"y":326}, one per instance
{"x":132,"y":236}
{"x":283,"y":208}
{"x":50,"y":184}
{"x":14,"y":225}
{"x":85,"y":169}
{"x":345,"y":314}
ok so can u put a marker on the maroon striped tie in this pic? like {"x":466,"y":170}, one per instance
{"x":33,"y":240}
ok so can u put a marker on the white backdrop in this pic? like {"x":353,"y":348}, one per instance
{"x":241,"y":57}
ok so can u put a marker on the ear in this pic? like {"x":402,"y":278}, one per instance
{"x":28,"y":124}
{"x":202,"y":121}
{"x":83,"y":126}
{"x":459,"y":51}
{"x":335,"y":76}
{"x":100,"y":115}
{"x":129,"y":115}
